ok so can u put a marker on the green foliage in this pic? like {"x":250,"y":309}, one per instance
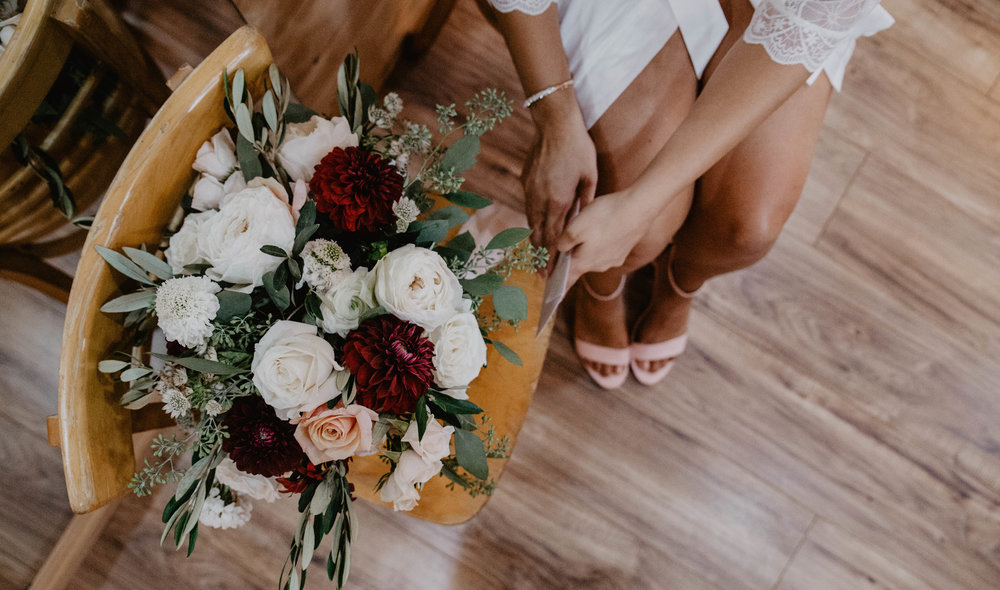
{"x":163,"y":469}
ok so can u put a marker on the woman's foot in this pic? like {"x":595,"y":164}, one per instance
{"x":600,"y":330}
{"x":663,"y":323}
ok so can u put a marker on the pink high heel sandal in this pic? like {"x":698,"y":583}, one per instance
{"x":604,"y":355}
{"x":658,"y":351}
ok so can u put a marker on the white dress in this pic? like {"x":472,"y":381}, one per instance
{"x":609,"y":42}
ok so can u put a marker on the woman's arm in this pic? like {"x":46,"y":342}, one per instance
{"x":562,"y":166}
{"x":745,"y":89}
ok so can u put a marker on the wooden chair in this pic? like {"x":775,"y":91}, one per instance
{"x":93,"y":430}
{"x":31,"y":230}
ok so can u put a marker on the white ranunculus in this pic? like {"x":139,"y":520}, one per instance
{"x":257,"y":487}
{"x":207,"y":192}
{"x":436,"y":443}
{"x":347,"y":301}
{"x":459,"y":352}
{"x":217,"y":156}
{"x":307,"y":143}
{"x":411,"y":469}
{"x":183,"y":247}
{"x":230,"y":241}
{"x":185,"y":308}
{"x":416,"y":285}
{"x":294,"y":369}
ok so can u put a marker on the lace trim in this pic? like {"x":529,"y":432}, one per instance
{"x":805,"y":31}
{"x":532,"y":7}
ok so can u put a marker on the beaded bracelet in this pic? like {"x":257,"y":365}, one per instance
{"x":547,"y":91}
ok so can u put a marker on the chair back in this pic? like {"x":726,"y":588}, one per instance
{"x":95,"y":431}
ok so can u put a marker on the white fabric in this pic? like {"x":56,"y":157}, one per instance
{"x":609,"y":42}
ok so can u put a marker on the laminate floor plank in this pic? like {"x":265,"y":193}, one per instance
{"x":961,"y":37}
{"x":832,"y":559}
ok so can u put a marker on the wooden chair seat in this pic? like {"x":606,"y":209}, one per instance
{"x":94,"y":431}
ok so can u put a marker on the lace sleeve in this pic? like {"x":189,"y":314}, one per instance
{"x":532,"y":7}
{"x":805,"y":31}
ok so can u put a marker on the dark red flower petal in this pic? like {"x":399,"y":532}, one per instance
{"x":259,"y":442}
{"x":356,"y":189}
{"x":392,"y":362}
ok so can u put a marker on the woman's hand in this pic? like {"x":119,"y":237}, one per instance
{"x":561,"y":170}
{"x":605,"y":232}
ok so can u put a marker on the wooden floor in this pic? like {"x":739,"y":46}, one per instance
{"x":835,"y":423}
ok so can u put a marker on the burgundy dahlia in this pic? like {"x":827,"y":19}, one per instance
{"x":356,"y":189}
{"x":260,"y":442}
{"x":392,"y":362}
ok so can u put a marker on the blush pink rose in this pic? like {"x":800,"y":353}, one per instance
{"x":332,"y":435}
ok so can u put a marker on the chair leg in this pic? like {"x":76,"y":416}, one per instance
{"x":76,"y":541}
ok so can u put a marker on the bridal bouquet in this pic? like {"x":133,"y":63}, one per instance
{"x":315,"y":310}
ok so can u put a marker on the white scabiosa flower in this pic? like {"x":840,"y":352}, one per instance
{"x":393,"y":104}
{"x":217,"y":514}
{"x":324,"y":264}
{"x":185,"y":308}
{"x":406,"y":212}
{"x":175,"y":402}
{"x":213,"y":407}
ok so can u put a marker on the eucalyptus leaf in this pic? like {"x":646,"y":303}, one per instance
{"x":430,"y":231}
{"x":468,"y":200}
{"x":132,"y":301}
{"x":244,"y":122}
{"x":511,"y":303}
{"x":470,"y":454}
{"x":124,"y":265}
{"x":270,"y":110}
{"x":239,"y":84}
{"x":482,"y":285}
{"x":296,"y":113}
{"x":456,"y":406}
{"x":453,"y":215}
{"x":302,"y":237}
{"x":201,"y":365}
{"x":508,"y":237}
{"x":506,"y":352}
{"x":111,"y":366}
{"x":307,"y":218}
{"x":134,"y":373}
{"x":421,"y":417}
{"x":247,"y":155}
{"x":232,"y":304}
{"x":149,"y":263}
{"x":272,"y":73}
{"x":274,"y":251}
{"x":461,"y":155}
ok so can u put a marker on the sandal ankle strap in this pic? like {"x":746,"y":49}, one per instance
{"x":670,"y":276}
{"x":598,"y":296}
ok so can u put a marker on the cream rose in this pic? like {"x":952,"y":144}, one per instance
{"x":436,"y":443}
{"x":294,"y":369}
{"x":183,"y":246}
{"x":307,"y":143}
{"x":230,"y":241}
{"x":459,"y":353}
{"x":208,"y":193}
{"x":257,"y":487}
{"x":416,"y":285}
{"x":217,"y":156}
{"x":410,"y":470}
{"x":347,"y":301}
{"x":331,"y":435}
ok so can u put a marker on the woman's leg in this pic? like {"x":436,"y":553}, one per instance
{"x":626,"y":138}
{"x":741,"y":203}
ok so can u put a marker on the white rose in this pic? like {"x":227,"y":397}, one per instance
{"x":230,"y":241}
{"x":217,"y":156}
{"x":436,"y":443}
{"x":411,"y":469}
{"x":183,"y":248}
{"x":416,"y":285}
{"x":207,"y":193}
{"x":347,"y":301}
{"x":257,"y":487}
{"x":294,"y":369}
{"x":459,"y":352}
{"x":307,"y":143}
